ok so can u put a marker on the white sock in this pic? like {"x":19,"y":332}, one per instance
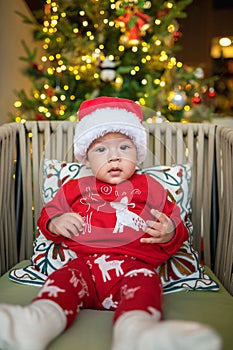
{"x":31,"y":327}
{"x":137,"y":330}
{"x":182,"y":335}
{"x":129,"y":325}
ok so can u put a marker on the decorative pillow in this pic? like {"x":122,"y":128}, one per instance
{"x":181,"y":271}
{"x":56,"y":173}
{"x":176,"y":179}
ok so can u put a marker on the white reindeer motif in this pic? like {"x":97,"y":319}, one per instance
{"x":129,"y":293}
{"x":126,"y":217}
{"x":108,"y":303}
{"x":79,"y":280}
{"x":144,"y":271}
{"x":105,"y":266}
{"x":50,"y":289}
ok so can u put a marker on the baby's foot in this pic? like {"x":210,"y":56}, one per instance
{"x":182,"y":335}
{"x":138,"y":330}
{"x":30,"y":327}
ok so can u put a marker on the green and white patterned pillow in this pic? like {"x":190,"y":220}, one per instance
{"x":181,"y":272}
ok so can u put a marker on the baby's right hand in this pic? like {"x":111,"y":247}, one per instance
{"x":67,"y":225}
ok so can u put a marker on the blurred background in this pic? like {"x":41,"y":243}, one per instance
{"x":198,"y":34}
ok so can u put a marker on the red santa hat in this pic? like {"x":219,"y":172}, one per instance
{"x":103,"y":115}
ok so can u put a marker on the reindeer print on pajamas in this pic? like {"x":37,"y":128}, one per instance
{"x":124,"y":217}
{"x":105,"y":266}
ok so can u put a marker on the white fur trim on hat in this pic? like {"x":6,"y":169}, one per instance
{"x":106,"y":120}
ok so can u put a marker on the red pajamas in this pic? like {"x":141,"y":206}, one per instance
{"x":117,"y":283}
{"x":114,"y":270}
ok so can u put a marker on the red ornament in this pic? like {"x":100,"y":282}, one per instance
{"x":196,"y":99}
{"x":124,"y":19}
{"x":141,"y":24}
{"x":133,"y":36}
{"x":143,"y":21}
{"x":211,"y":93}
{"x":177,"y":36}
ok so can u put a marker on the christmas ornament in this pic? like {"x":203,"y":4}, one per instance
{"x":211,"y":92}
{"x":199,"y":73}
{"x":133,"y":23}
{"x":196,"y":99}
{"x":107,"y":70}
{"x":176,"y":36}
{"x":177,"y":99}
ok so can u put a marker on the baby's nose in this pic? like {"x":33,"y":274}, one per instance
{"x":114,"y":155}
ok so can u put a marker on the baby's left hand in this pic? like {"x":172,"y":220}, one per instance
{"x":161,"y":231}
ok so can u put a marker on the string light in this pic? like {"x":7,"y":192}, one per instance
{"x":163,"y":56}
{"x":121,"y":48}
{"x":169,"y":4}
{"x":156,"y":81}
{"x":171,"y":28}
{"x":142,"y":101}
{"x":17,"y":104}
{"x":43,"y":96}
{"x":50,"y":71}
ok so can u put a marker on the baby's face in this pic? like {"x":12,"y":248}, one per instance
{"x":112,"y":158}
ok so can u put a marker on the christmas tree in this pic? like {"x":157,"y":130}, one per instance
{"x":122,"y":48}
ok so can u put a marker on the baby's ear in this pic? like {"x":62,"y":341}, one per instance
{"x":87,"y":163}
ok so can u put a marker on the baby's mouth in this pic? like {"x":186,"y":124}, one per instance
{"x":114,"y":171}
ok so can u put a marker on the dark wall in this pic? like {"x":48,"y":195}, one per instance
{"x":222,"y":4}
{"x":205,"y":19}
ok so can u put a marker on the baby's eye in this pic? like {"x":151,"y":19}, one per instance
{"x":100,"y":149}
{"x":124,"y":147}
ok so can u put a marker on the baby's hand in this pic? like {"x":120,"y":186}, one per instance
{"x":161,"y":231}
{"x":67,"y":225}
